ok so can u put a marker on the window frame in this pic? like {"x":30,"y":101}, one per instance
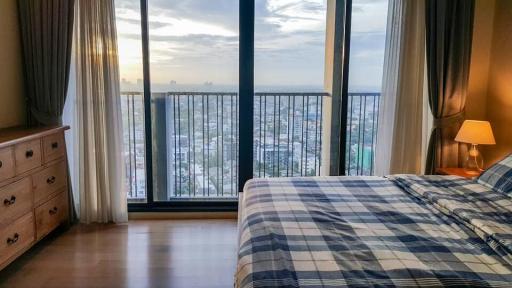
{"x":246,"y":111}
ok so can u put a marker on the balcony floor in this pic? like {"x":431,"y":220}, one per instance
{"x":150,"y":253}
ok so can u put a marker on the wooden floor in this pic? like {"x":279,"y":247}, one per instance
{"x":143,"y":253}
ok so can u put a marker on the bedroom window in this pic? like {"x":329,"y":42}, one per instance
{"x":193,"y":55}
{"x":367,"y":43}
{"x":179,"y":71}
{"x":129,"y":36}
{"x":289,"y":87}
{"x":207,"y":85}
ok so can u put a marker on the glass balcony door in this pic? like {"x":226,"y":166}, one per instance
{"x":192,"y":109}
{"x":289,"y":87}
{"x":366,"y":61}
{"x":193,"y":55}
{"x":129,"y":34}
{"x":179,"y":70}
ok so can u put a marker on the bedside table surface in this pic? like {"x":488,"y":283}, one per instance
{"x":456,"y":171}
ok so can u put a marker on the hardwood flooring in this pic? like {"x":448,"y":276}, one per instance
{"x":143,"y":253}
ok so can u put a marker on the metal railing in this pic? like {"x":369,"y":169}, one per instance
{"x":132,"y":111}
{"x":362,"y":123}
{"x":196,"y":143}
{"x":287,"y":134}
{"x":195,"y":140}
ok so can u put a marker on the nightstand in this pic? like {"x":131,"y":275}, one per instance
{"x":456,"y":171}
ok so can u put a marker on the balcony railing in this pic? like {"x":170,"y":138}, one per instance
{"x":195,"y":144}
{"x":195,"y":140}
{"x":132,"y":108}
{"x":362,"y":123}
{"x":287,"y":134}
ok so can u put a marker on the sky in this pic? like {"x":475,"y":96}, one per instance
{"x":196,"y":42}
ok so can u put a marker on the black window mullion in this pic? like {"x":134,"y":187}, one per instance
{"x":339,"y":93}
{"x":347,"y":21}
{"x":147,"y":100}
{"x":246,"y":91}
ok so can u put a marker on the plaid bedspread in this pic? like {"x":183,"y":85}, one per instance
{"x":486,"y":212}
{"x":372,"y":231}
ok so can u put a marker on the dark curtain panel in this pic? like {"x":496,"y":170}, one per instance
{"x":47,"y":34}
{"x":46,"y":30}
{"x":449,"y":31}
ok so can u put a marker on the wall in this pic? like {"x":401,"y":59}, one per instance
{"x":499,"y":90}
{"x":476,"y":101}
{"x":490,"y":80}
{"x":12,"y":103}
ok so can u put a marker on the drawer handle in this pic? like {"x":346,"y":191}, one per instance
{"x":29,"y":153}
{"x":1,"y":164}
{"x":50,"y":180}
{"x":55,"y":145}
{"x":53,"y":210}
{"x":9,"y":202}
{"x":14,"y":239}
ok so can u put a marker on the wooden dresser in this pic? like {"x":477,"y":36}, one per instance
{"x":33,"y":187}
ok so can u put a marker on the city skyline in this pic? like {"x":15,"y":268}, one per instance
{"x":197,"y":154}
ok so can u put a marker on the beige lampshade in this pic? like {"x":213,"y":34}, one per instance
{"x":476,"y":132}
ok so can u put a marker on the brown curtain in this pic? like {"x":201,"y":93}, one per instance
{"x":46,"y":30}
{"x":449,"y":30}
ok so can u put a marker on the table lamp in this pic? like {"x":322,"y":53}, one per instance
{"x":475,"y":133}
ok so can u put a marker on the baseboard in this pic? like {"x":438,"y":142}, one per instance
{"x":180,"y":215}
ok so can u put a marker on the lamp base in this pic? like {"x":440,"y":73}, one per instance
{"x":472,"y":172}
{"x":474,"y":162}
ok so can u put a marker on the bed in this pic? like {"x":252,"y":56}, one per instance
{"x":400,"y":230}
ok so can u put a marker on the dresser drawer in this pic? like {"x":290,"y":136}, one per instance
{"x":54,"y":147}
{"x":51,"y":214}
{"x":49,"y":181}
{"x":27,"y":155}
{"x":15,"y":200}
{"x":17,"y":236}
{"x":6,"y":163}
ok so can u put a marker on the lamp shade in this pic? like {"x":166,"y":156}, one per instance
{"x":475,"y":132}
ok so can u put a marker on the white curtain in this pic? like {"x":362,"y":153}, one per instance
{"x":400,"y":131}
{"x":95,"y":115}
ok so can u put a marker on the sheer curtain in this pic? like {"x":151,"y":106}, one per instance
{"x":95,"y":113}
{"x":400,"y":131}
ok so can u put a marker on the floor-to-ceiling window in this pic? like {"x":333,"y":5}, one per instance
{"x":289,"y":86}
{"x":193,"y":58}
{"x":366,"y":60}
{"x":182,"y":84}
{"x":179,"y":82}
{"x":129,"y":36}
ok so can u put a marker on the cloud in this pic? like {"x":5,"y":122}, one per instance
{"x":369,"y":15}
{"x":197,"y":40}
{"x":292,"y":15}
